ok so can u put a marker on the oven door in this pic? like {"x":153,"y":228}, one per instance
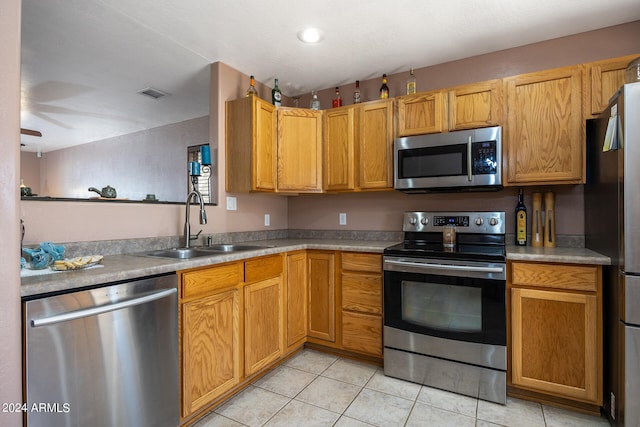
{"x":460,"y":301}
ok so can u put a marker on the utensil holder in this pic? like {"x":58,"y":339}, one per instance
{"x":537,"y":223}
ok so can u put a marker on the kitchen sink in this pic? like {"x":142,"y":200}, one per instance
{"x":202,"y":251}
{"x":232,"y":248}
{"x":179,"y":253}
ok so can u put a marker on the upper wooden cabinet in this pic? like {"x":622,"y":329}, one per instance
{"x":358,"y":147}
{"x":251,"y":145}
{"x":604,"y":78}
{"x":476,"y":105}
{"x":545,"y":133}
{"x":375,"y":145}
{"x":461,"y":107}
{"x":424,"y":112}
{"x":339,"y":149}
{"x":299,"y":150}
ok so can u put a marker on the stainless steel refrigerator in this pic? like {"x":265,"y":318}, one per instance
{"x":612,"y":227}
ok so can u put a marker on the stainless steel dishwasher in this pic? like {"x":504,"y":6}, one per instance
{"x":106,"y":356}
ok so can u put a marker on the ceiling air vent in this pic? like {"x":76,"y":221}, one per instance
{"x":153,"y":93}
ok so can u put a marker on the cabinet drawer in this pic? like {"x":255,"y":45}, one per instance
{"x":259,"y":269}
{"x":362,"y":293}
{"x":362,"y":262}
{"x":362,"y":333}
{"x":562,"y":276}
{"x":207,"y":280}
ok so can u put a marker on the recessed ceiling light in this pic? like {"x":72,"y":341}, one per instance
{"x":310,"y":35}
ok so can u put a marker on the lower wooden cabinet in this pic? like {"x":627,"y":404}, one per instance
{"x":263,"y":324}
{"x":211,"y":339}
{"x":556,"y":330}
{"x":296,"y":296}
{"x":322,"y":285}
{"x":361,"y":308}
{"x":263,"y":316}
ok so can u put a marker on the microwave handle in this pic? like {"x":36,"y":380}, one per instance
{"x":469,"y":160}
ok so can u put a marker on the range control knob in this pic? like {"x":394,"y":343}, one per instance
{"x":424,"y":220}
{"x":493,"y":222}
{"x":479,"y":221}
{"x":413,"y":220}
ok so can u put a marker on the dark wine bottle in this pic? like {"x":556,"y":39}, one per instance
{"x":384,"y":89}
{"x":276,"y":95}
{"x":521,"y":221}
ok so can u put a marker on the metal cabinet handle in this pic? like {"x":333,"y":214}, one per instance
{"x":469,"y":162}
{"x":93,"y":311}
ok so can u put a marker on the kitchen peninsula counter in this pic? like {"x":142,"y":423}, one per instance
{"x":115,"y":268}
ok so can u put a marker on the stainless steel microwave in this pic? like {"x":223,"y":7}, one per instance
{"x":454,"y":161}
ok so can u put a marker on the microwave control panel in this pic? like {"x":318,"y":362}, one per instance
{"x":485,"y":158}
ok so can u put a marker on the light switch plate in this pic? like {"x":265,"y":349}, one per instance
{"x":232,"y":204}
{"x":267,"y":220}
{"x":343,"y":219}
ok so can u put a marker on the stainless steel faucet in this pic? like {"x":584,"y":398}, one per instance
{"x":203,"y":217}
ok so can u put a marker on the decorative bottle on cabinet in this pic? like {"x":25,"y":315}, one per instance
{"x":337,"y":101}
{"x":521,"y":221}
{"x":315,"y":102}
{"x":356,"y":93}
{"x":252,"y":87}
{"x":276,"y":95}
{"x":537,"y":228}
{"x":411,"y":83}
{"x":384,"y":89}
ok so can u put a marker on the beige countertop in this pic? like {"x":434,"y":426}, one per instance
{"x":117,"y":268}
{"x":563,"y":255}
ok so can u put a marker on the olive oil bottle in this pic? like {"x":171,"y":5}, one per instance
{"x":521,"y":221}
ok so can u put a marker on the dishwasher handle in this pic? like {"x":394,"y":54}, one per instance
{"x":94,"y":311}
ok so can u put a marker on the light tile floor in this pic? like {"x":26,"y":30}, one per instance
{"x":318,"y":389}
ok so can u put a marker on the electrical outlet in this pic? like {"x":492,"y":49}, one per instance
{"x":232,"y":204}
{"x":343,"y":219}
{"x":267,"y":220}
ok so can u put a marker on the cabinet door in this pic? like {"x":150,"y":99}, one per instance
{"x":545,"y":132}
{"x":264,"y":155}
{"x":362,"y":292}
{"x":555,"y":343}
{"x":375,"y":147}
{"x":262,"y":324}
{"x":296,"y":299}
{"x":250,"y":145}
{"x":422,"y":113}
{"x":322,"y":306}
{"x":362,"y":333}
{"x":210,"y":348}
{"x":476,"y":105}
{"x":605,"y":78}
{"x":339,"y":149}
{"x":299,"y":150}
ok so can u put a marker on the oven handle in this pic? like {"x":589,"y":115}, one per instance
{"x":449,"y":267}
{"x":469,"y":160}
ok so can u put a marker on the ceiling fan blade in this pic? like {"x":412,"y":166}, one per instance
{"x":24,"y":131}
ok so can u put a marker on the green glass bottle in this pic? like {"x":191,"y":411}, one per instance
{"x":276,"y":95}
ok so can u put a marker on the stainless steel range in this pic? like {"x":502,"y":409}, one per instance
{"x":445,"y":305}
